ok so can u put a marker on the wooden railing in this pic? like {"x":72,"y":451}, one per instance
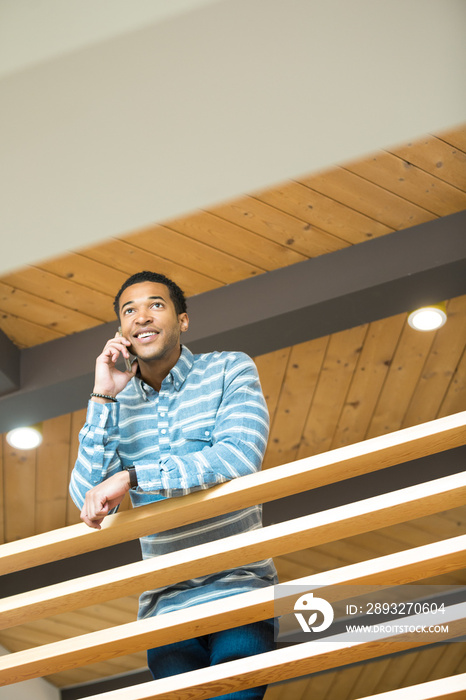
{"x":294,"y":535}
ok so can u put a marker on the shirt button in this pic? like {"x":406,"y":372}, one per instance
{"x":163,"y":431}
{"x":162,"y":414}
{"x":207,"y":432}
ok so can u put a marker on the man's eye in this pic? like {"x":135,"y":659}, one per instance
{"x":128,"y":311}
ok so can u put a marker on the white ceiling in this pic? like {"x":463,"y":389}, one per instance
{"x":33,"y":31}
{"x":149,"y":117}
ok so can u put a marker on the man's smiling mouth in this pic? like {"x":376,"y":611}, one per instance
{"x":146,"y":334}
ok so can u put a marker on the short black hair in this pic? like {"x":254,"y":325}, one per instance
{"x":176,"y":295}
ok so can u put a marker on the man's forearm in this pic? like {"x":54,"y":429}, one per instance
{"x":97,"y":455}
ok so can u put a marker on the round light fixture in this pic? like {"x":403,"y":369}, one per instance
{"x":25,"y":438}
{"x":429,"y":318}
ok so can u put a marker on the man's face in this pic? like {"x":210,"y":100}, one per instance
{"x":149,"y":320}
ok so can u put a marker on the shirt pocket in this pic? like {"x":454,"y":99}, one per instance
{"x":197,"y":437}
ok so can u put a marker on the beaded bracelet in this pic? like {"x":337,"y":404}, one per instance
{"x":104,"y":396}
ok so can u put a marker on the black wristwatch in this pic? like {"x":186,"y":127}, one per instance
{"x":133,"y":477}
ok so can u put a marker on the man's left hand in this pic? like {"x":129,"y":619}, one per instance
{"x":103,"y":498}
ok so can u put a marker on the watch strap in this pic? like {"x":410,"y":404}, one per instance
{"x":133,"y":477}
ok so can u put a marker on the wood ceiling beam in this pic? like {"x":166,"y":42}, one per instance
{"x":353,"y":286}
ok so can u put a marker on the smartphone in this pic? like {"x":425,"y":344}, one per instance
{"x":126,"y":359}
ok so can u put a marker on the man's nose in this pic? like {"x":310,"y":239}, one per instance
{"x":143,"y":316}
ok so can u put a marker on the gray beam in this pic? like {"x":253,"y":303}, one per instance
{"x":382,"y":277}
{"x":356,"y":285}
{"x":9,"y":365}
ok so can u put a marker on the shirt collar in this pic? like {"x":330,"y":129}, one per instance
{"x":178,"y":374}
{"x":180,"y":371}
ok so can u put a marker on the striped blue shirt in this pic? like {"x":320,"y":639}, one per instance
{"x":207,"y":424}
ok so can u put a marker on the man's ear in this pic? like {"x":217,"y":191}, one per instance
{"x":184,"y":322}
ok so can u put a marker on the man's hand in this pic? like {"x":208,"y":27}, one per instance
{"x":102,"y":498}
{"x":108,"y":379}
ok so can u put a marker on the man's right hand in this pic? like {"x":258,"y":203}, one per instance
{"x":108,"y":379}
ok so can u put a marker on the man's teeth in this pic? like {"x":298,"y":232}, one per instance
{"x":146,"y":335}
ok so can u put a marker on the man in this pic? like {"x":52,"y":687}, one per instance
{"x":171,"y":424}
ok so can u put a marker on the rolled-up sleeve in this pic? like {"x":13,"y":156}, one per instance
{"x":98,"y":450}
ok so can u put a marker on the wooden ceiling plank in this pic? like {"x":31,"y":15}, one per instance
{"x":301,"y":564}
{"x":66,"y":292}
{"x":131,"y":259}
{"x":436,"y":525}
{"x":456,"y":515}
{"x":325,"y":213}
{"x":448,"y":663}
{"x":88,"y":273}
{"x":172,"y":245}
{"x":368,"y":198}
{"x":24,"y":333}
{"x":419,"y":671}
{"x":314,"y":558}
{"x":409,"y":182}
{"x":283,"y":691}
{"x":96,"y":672}
{"x":77,"y":420}
{"x":43,"y":312}
{"x":343,"y":683}
{"x":401,"y":380}
{"x":436,"y":158}
{"x":369,"y":677}
{"x":456,"y":392}
{"x":271,"y":368}
{"x":352,"y":550}
{"x":98,"y":616}
{"x":289,"y":571}
{"x":128,"y":605}
{"x":455,"y":137}
{"x":300,"y":381}
{"x":374,"y":542}
{"x":20,"y":488}
{"x":237,"y":241}
{"x":52,"y":629}
{"x":52,"y":474}
{"x":449,"y":344}
{"x":279,"y":226}
{"x":396,"y":671}
{"x":404,"y":533}
{"x":335,"y":377}
{"x":368,"y":379}
{"x":317,"y":686}
{"x":386,"y":540}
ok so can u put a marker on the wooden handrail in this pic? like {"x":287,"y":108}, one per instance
{"x":393,"y":569}
{"x":273,"y":666}
{"x":310,"y":657}
{"x":312,"y":472}
{"x":274,"y":540}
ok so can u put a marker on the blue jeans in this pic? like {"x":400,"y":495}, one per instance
{"x":216,"y":648}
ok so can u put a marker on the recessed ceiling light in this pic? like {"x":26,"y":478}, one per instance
{"x":25,"y":438}
{"x":429,"y":318}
